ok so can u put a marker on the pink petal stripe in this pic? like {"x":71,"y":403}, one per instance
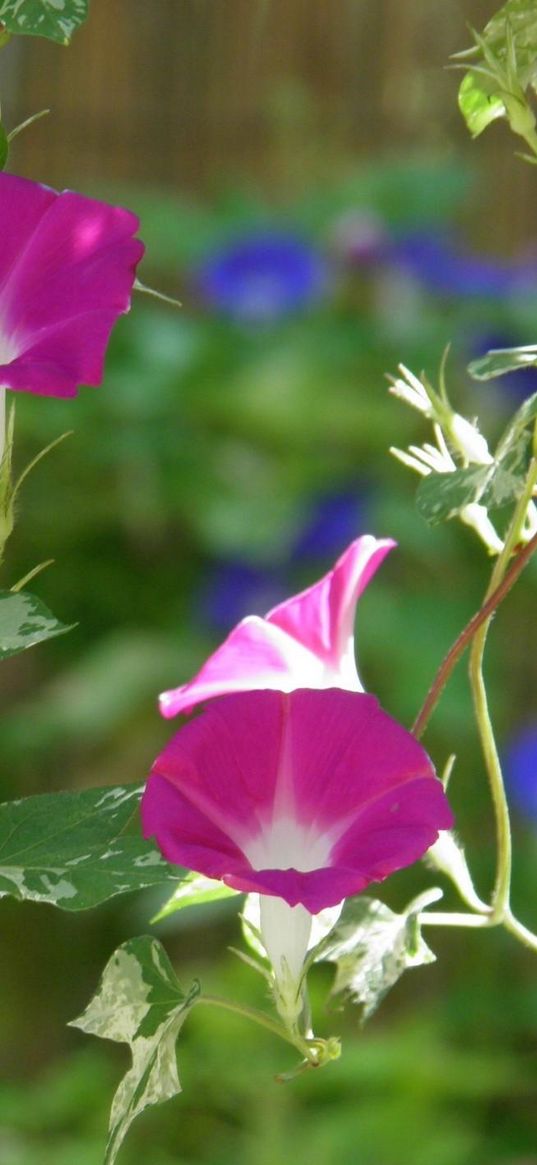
{"x":322,"y":617}
{"x":254,"y":655}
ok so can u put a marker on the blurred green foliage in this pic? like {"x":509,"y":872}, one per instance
{"x":209,"y":442}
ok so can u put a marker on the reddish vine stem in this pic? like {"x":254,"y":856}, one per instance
{"x":467,"y":634}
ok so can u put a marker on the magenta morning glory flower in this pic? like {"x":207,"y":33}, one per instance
{"x":305,"y":642}
{"x":303,"y":797}
{"x":262,"y":277}
{"x":67,"y":266}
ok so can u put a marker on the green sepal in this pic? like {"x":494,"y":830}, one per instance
{"x":140,"y":1002}
{"x":75,"y":850}
{"x":194,"y":890}
{"x":25,"y":621}
{"x":53,"y":19}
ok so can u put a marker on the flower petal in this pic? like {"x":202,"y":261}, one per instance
{"x":322,"y":617}
{"x":323,"y":784}
{"x":63,"y":287}
{"x":360,"y":754}
{"x":307,"y":641}
{"x":254,"y":655}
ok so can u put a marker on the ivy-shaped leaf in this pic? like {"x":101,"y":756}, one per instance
{"x":372,"y":947}
{"x":506,"y":65}
{"x":141,"y":1003}
{"x":25,"y":621}
{"x":54,"y":19}
{"x":442,"y":495}
{"x":501,"y":360}
{"x":74,"y":850}
{"x":194,"y":890}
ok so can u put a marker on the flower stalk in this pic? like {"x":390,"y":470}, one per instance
{"x":502,"y":886}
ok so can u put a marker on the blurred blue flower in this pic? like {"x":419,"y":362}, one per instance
{"x":235,"y":589}
{"x":442,"y":266}
{"x":332,"y":521}
{"x":518,"y":384}
{"x":261,"y":277}
{"x":520,"y":767}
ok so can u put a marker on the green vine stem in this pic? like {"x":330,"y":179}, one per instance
{"x":316,"y":1052}
{"x":502,"y":885}
{"x":465,"y":638}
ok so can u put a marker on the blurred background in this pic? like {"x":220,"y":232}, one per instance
{"x":307,"y":188}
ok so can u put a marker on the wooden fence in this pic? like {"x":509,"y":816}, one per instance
{"x":184,"y":93}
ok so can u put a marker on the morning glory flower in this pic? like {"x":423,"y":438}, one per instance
{"x":303,"y":798}
{"x":306,"y":641}
{"x":444,"y":268}
{"x":330,"y":521}
{"x":520,"y":766}
{"x":234,"y":587}
{"x":262,"y":277}
{"x":67,"y":266}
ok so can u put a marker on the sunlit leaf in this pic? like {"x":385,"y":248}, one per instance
{"x":372,"y":947}
{"x":194,"y":890}
{"x":478,"y":102}
{"x":75,"y":850}
{"x":141,"y":1003}
{"x":505,"y":64}
{"x":25,"y":621}
{"x":54,"y":19}
{"x":501,"y":360}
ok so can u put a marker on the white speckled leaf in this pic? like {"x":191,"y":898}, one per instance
{"x":371,"y":947}
{"x":54,"y":19}
{"x":141,"y":1003}
{"x":75,"y":850}
{"x":25,"y":621}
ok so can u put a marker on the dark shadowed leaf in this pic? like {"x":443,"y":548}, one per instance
{"x":25,"y":621}
{"x":54,"y":19}
{"x":75,"y":850}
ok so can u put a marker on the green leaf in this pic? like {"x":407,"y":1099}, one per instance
{"x":54,"y":19}
{"x":506,"y":64}
{"x":519,"y":19}
{"x":141,"y":1003}
{"x":194,"y":890}
{"x":372,"y":947}
{"x":478,"y":102}
{"x":441,"y":495}
{"x":25,"y":621}
{"x":74,"y":850}
{"x":501,"y":360}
